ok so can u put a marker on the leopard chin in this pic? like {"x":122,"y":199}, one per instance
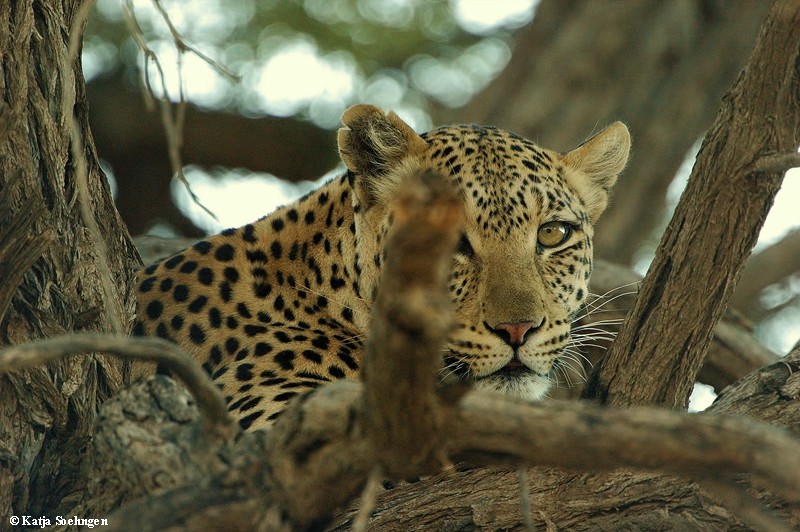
{"x":517,"y":382}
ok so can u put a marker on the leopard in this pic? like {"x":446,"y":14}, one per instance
{"x":281,"y":306}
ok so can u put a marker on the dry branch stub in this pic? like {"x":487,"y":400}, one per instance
{"x":412,"y":316}
{"x":662,"y":344}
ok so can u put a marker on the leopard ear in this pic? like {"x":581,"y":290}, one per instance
{"x":593,"y":167}
{"x":379,"y":150}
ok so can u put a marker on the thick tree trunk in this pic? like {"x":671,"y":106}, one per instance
{"x":54,"y":272}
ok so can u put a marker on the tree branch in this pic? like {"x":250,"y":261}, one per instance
{"x":778,"y":163}
{"x":582,"y":436}
{"x":217,"y":423}
{"x":662,"y":344}
{"x":411,"y":318}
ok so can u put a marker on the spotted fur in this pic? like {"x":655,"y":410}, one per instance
{"x":281,"y":306}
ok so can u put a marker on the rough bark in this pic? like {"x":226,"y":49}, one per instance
{"x":132,"y":140}
{"x":53,"y":269}
{"x":662,"y":344}
{"x":661,"y":67}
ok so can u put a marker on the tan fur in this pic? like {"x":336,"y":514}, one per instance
{"x":282,"y":305}
{"x":593,"y":167}
{"x":379,"y":144}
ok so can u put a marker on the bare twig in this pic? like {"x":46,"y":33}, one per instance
{"x":777,"y":163}
{"x":173,"y":122}
{"x":182,"y":46}
{"x":216,"y":421}
{"x":368,"y":500}
{"x":525,"y":498}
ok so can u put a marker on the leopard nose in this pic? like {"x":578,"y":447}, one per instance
{"x":514,"y":333}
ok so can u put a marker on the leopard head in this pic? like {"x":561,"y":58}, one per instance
{"x":520,"y":272}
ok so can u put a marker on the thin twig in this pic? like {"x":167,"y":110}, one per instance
{"x":138,"y":37}
{"x":525,"y":498}
{"x":183,"y":47}
{"x":369,"y":499}
{"x":781,"y":162}
{"x":173,"y":123}
{"x":217,"y":422}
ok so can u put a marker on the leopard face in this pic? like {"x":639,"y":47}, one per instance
{"x":281,"y":306}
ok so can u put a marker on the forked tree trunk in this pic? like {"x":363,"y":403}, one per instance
{"x":51,"y":268}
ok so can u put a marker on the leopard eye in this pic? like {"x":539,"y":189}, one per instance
{"x":464,"y":247}
{"x":554,"y":234}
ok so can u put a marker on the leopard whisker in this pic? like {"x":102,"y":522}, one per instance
{"x":604,"y":299}
{"x":594,"y":335}
{"x":591,"y":340}
{"x":620,"y":287}
{"x":596,"y":346}
{"x":572,"y":354}
{"x":596,"y":326}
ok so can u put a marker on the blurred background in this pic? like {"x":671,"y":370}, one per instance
{"x":260,"y":127}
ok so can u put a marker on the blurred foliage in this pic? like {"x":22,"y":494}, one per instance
{"x":315,"y":57}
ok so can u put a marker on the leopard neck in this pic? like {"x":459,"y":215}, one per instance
{"x":312,"y":258}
